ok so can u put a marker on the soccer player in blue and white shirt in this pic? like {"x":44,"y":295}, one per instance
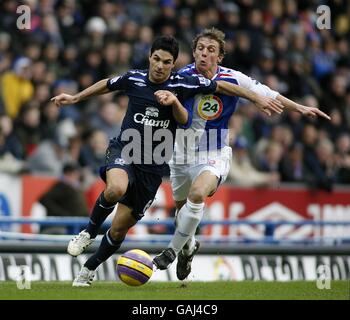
{"x":135,"y":162}
{"x":199,"y":167}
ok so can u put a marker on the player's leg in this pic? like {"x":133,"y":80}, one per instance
{"x":113,"y":238}
{"x":190,"y":243}
{"x":205,"y":183}
{"x":190,"y":215}
{"x":178,"y":205}
{"x":116,"y":185}
{"x":188,"y":218}
{"x":209,"y":174}
{"x":111,"y":242}
{"x":180,"y":184}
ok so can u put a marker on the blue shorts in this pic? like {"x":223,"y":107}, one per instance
{"x":142,"y":187}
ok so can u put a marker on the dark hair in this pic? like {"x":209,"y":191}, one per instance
{"x":214,"y":34}
{"x":166,"y":43}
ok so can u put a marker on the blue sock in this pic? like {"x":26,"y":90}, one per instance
{"x":100,"y":212}
{"x":107,"y":247}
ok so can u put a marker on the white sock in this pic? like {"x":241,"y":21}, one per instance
{"x":189,"y":246}
{"x":188,"y":219}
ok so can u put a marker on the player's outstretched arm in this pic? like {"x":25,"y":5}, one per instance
{"x":304,"y":110}
{"x":264,"y":104}
{"x":167,"y":98}
{"x":98,"y":88}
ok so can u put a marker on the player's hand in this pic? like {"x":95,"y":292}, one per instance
{"x":64,"y":99}
{"x":165,"y":97}
{"x":312,"y":112}
{"x":269,"y":105}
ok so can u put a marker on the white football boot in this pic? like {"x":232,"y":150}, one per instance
{"x":84,"y":278}
{"x":79,"y":243}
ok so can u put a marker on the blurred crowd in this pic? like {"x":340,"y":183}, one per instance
{"x":72,"y":44}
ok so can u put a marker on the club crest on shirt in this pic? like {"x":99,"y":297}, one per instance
{"x":120,"y":161}
{"x":204,"y":81}
{"x":152,"y":112}
{"x":140,"y":84}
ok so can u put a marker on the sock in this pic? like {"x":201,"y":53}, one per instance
{"x":106,"y":249}
{"x":188,"y":219}
{"x":100,"y":212}
{"x":189,"y":246}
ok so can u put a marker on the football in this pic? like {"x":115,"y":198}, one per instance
{"x":134,"y":267}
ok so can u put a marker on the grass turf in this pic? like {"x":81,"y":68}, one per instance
{"x":222,"y":290}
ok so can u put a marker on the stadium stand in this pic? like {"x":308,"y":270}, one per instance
{"x":300,"y":167}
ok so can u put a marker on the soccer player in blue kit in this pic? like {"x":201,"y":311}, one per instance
{"x":132,"y":178}
{"x":199,"y":176}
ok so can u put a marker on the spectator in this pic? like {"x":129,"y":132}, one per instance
{"x":241,"y":55}
{"x":49,"y":157}
{"x":342,"y":158}
{"x":49,"y":121}
{"x":185,"y":32}
{"x":142,"y":48}
{"x":336,"y":126}
{"x":10,"y":143}
{"x":16,"y":87}
{"x":165,"y":21}
{"x":5,"y":52}
{"x":318,"y":159}
{"x":96,"y":29}
{"x":124,"y":57}
{"x":110,"y":59}
{"x":129,"y":31}
{"x":71,"y":44}
{"x":279,"y":134}
{"x":39,"y":73}
{"x":325,"y":169}
{"x":243,"y":173}
{"x":27,"y":128}
{"x":92,"y":154}
{"x":65,"y":199}
{"x":70,"y":62}
{"x":69,"y":20}
{"x":8,"y":163}
{"x":295,"y":122}
{"x":335,"y":95}
{"x":108,"y":119}
{"x":271,"y":157}
{"x":70,"y":86}
{"x":93,"y":64}
{"x":292,"y":168}
{"x":51,"y":54}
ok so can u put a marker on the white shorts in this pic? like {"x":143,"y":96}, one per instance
{"x":182,"y":175}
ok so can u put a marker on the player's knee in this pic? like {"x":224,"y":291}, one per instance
{"x":114,"y":192}
{"x":196,"y":195}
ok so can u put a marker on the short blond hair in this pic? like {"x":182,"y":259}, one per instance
{"x":214,"y":34}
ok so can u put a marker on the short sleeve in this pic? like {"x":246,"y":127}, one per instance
{"x":118,"y":82}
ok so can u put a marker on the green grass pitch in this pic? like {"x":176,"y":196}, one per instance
{"x":222,"y":290}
